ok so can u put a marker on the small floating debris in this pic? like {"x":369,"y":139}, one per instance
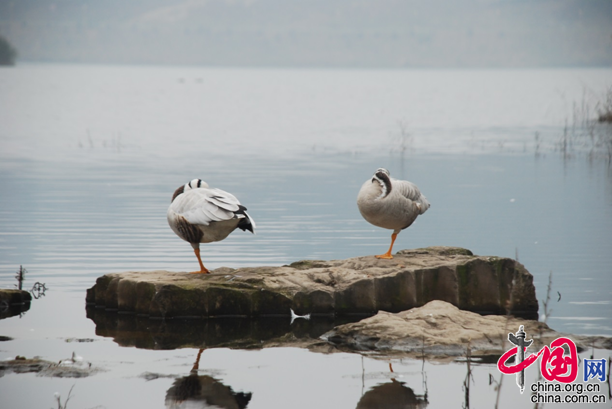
{"x":150,"y":376}
{"x":79,"y":340}
{"x":294,"y":316}
{"x":74,"y":360}
{"x":73,"y":367}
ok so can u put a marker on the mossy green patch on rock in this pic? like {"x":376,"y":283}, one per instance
{"x":436,"y":284}
{"x":174,"y":301}
{"x":234,"y":302}
{"x":396,"y":292}
{"x":316,"y":302}
{"x":307,"y":264}
{"x":357,"y":298}
{"x":441,"y":250}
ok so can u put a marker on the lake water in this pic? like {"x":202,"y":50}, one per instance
{"x":90,"y":156}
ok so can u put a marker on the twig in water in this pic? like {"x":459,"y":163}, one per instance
{"x":468,"y":377}
{"x":547,"y":313}
{"x":423,"y":373}
{"x":59,"y":399}
{"x":516,"y":258}
{"x":38,"y":290}
{"x":20,"y":276}
{"x":545,"y":303}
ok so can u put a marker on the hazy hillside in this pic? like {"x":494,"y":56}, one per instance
{"x":367,"y":33}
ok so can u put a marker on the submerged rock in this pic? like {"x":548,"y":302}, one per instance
{"x":441,"y":329}
{"x":68,"y":368}
{"x":355,"y":286}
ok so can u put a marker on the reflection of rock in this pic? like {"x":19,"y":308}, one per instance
{"x":195,"y":391}
{"x":361,"y":285}
{"x":441,"y":329}
{"x":142,"y":332}
{"x":14,"y":302}
{"x":393,"y":395}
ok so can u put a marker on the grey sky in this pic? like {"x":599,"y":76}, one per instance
{"x":313,"y":33}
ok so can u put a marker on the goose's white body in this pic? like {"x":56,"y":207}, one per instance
{"x":390,"y":203}
{"x":200,"y":214}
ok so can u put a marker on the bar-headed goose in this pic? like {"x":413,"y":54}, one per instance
{"x":390,"y":203}
{"x":199,"y":214}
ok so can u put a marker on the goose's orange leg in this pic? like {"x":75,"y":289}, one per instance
{"x":388,"y":255}
{"x":203,"y":270}
{"x":196,"y":365}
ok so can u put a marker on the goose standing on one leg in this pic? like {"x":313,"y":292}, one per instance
{"x":390,"y":203}
{"x":199,"y":214}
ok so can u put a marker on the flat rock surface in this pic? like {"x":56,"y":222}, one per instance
{"x":441,"y":329}
{"x":355,"y":286}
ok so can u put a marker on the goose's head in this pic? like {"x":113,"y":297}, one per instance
{"x":383,"y":178}
{"x":194,"y":184}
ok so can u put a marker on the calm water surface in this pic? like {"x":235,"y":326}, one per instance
{"x":89,"y":158}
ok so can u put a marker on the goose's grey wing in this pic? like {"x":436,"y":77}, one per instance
{"x":410,"y":191}
{"x":204,"y":206}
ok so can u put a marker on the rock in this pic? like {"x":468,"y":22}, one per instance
{"x":14,"y":302}
{"x":62,"y":369}
{"x":356,"y":286}
{"x":440,"y":329}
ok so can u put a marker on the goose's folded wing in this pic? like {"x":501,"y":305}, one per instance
{"x":407,"y":189}
{"x":410,"y":191}
{"x":223,"y":199}
{"x":203,"y":206}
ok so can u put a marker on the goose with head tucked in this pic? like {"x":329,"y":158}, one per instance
{"x":200,"y":214}
{"x":390,"y":203}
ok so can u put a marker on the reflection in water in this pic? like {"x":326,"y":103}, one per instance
{"x":20,"y":276}
{"x":195,"y":391}
{"x":228,"y":332}
{"x":7,"y":310}
{"x":392,"y":395}
{"x":468,"y":378}
{"x":16,"y":300}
